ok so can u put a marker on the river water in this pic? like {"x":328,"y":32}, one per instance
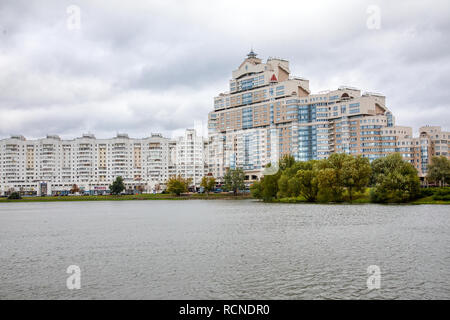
{"x":217,"y":249}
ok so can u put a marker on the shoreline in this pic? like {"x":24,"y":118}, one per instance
{"x":363,"y":201}
{"x":138,"y":197}
{"x":213,"y":196}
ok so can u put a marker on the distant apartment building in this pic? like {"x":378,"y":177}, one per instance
{"x":191,"y":157}
{"x":53,"y":166}
{"x":432,"y":141}
{"x":267,"y":114}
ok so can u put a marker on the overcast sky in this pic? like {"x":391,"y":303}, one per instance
{"x":155,"y":67}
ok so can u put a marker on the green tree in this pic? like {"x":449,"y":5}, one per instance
{"x":294,"y":186}
{"x":286,"y":162}
{"x":331,"y":177}
{"x":267,"y":189}
{"x":283,"y":186}
{"x":14,"y":196}
{"x":439,"y":170}
{"x":288,"y":186}
{"x":117,"y":186}
{"x":270,"y":187}
{"x":208,"y":183}
{"x":178,"y":185}
{"x":356,"y":172}
{"x":234,"y":180}
{"x":328,"y":188}
{"x":282,"y":183}
{"x":256,"y":190}
{"x":308,"y":184}
{"x":394,"y":180}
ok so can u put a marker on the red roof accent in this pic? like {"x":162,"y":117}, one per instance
{"x":273,"y":78}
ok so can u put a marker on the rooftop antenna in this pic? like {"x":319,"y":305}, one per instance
{"x":251,"y":54}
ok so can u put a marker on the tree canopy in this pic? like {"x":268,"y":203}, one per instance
{"x":14,"y":196}
{"x":117,"y":186}
{"x":234,"y":180}
{"x":395,"y":180}
{"x":178,"y":185}
{"x":439,"y":170}
{"x":208,"y":183}
{"x":341,"y":177}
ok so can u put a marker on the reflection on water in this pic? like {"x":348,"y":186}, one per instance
{"x":223,"y":250}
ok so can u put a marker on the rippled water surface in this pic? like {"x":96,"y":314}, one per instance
{"x":223,"y":250}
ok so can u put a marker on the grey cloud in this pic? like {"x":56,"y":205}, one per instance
{"x":156,"y":66}
{"x":200,"y":66}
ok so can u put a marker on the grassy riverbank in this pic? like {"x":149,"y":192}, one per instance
{"x":427,"y":200}
{"x":363,"y":198}
{"x":430,"y":200}
{"x":194,"y":196}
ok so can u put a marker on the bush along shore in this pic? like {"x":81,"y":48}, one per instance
{"x":343,"y":178}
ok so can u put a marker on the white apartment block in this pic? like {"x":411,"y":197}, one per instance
{"x":191,"y":157}
{"x":53,"y":166}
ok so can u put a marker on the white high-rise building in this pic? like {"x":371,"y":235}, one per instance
{"x":190,"y":156}
{"x":267,"y":113}
{"x":53,"y":166}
